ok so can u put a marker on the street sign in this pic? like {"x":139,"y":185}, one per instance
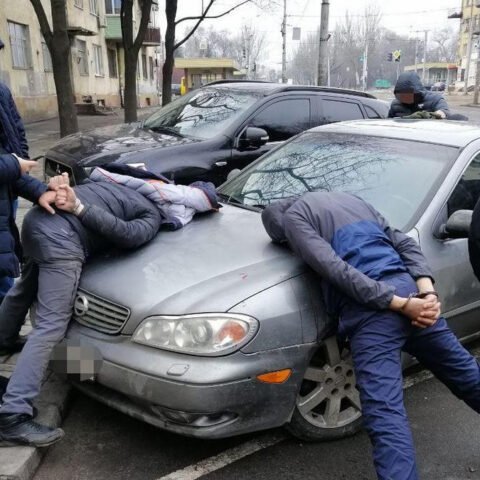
{"x":396,"y":55}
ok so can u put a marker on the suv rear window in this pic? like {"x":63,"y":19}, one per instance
{"x":338,"y":111}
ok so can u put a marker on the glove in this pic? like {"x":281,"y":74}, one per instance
{"x":421,"y":114}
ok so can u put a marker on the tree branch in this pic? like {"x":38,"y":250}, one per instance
{"x":146,"y":12}
{"x":43,"y":21}
{"x":203,"y":17}
{"x":199,"y":18}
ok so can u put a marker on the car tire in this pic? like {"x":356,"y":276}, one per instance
{"x":328,"y":403}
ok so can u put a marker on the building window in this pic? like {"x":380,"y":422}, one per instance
{"x":82,"y":57}
{"x":93,"y":7}
{"x":98,"y":58}
{"x":20,"y":45}
{"x":112,"y":63}
{"x":47,"y":59}
{"x":144,"y":67}
{"x":150,"y":64}
{"x":113,"y":6}
{"x":78,"y":3}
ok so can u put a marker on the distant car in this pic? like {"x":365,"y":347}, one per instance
{"x":208,"y":132}
{"x":438,"y":87}
{"x":191,"y":327}
{"x":176,"y":88}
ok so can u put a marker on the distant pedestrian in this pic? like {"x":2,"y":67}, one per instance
{"x":412,"y":97}
{"x":12,"y":140}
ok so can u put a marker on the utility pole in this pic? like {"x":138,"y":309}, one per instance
{"x":416,"y":54}
{"x":469,"y":51}
{"x":322,"y":76}
{"x":365,"y":66}
{"x":425,"y":56}
{"x":284,"y":43}
{"x":477,"y":74}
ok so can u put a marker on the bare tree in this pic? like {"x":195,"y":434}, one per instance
{"x":446,"y":41}
{"x":58,"y":44}
{"x":171,"y":44}
{"x":131,"y":48}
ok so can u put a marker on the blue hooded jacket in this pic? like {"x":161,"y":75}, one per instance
{"x":409,"y":82}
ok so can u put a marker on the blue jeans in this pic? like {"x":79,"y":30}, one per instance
{"x":377,"y":339}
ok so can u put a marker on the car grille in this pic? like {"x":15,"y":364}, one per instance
{"x":98,"y":313}
{"x":53,"y":168}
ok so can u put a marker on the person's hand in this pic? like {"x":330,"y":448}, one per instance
{"x":65,"y":198}
{"x":25,"y":165}
{"x":440,"y":114}
{"x":46,"y":201}
{"x":58,"y":180}
{"x":423,"y":312}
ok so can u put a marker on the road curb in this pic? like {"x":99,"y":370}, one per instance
{"x":20,"y":463}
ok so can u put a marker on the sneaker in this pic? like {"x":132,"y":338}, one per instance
{"x":15,"y":347}
{"x":20,"y":429}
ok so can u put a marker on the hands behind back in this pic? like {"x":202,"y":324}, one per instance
{"x":423,"y":312}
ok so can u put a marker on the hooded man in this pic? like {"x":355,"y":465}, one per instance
{"x":377,"y":281}
{"x":412,"y":97}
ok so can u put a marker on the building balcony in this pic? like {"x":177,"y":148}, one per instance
{"x":113,"y":31}
{"x":455,"y":13}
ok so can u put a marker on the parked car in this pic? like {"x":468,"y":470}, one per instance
{"x":176,"y":89}
{"x":212,"y":130}
{"x":191,"y":327}
{"x":438,"y":87}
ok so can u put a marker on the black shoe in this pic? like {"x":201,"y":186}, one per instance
{"x":20,"y":429}
{"x":15,"y":347}
{"x":3,"y":386}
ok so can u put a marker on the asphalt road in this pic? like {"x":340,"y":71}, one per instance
{"x":103,"y":444}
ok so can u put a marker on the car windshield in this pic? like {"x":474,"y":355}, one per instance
{"x":396,"y":176}
{"x":203,"y":113}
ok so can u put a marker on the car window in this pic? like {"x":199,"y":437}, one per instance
{"x":398,"y":177}
{"x":338,"y":111}
{"x":467,"y":191}
{"x":284,"y":119}
{"x":371,"y":113}
{"x":203,"y":113}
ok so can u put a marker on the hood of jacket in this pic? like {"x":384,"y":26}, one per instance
{"x":409,"y":82}
{"x":273,"y":219}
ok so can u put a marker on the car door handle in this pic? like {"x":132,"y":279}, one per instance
{"x":220,"y":164}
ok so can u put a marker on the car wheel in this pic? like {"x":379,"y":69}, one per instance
{"x":328,"y":403}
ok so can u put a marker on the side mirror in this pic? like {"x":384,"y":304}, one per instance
{"x":252,"y":137}
{"x":458,"y":224}
{"x":233,"y":173}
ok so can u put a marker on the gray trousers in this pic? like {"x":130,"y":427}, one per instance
{"x":50,"y":276}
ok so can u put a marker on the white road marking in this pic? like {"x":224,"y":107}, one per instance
{"x":225,"y":458}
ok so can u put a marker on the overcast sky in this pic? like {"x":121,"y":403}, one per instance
{"x":402,"y":16}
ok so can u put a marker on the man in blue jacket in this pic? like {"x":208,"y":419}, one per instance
{"x":12,"y":140}
{"x":91,"y":218}
{"x":377,"y":281}
{"x":412,"y":97}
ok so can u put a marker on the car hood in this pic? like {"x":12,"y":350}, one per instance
{"x":211,"y":265}
{"x":110,"y":143}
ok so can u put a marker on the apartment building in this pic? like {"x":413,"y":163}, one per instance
{"x":96,"y":55}
{"x":469,"y":14}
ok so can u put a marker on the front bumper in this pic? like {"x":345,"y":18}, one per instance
{"x":205,"y":397}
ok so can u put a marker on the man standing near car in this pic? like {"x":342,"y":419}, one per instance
{"x":92,"y":218}
{"x":412,"y":97}
{"x":377,"y":281}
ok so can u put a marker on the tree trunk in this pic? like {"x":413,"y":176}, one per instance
{"x":130,"y":93}
{"x":167,"y":71}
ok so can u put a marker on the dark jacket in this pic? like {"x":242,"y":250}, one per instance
{"x":348,"y":243}
{"x":474,"y":240}
{"x":114,"y":215}
{"x":424,"y":100}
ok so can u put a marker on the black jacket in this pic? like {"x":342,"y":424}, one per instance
{"x":425,"y":100}
{"x":113,"y":215}
{"x":474,"y":240}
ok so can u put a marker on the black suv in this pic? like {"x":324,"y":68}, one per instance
{"x":207,"y":133}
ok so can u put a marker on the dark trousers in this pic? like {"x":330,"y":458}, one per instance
{"x":50,"y":277}
{"x":377,"y":339}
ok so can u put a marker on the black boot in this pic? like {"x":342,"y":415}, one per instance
{"x":15,"y":347}
{"x":3,"y":386}
{"x":20,"y":429}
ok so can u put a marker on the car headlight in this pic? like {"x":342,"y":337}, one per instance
{"x":206,"y":334}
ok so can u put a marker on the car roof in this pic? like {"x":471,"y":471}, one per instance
{"x":268,"y":88}
{"x":444,"y":132}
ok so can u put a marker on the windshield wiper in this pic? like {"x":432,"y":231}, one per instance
{"x":162,"y":129}
{"x":235,"y":201}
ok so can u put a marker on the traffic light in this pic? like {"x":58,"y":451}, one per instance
{"x":389,"y":57}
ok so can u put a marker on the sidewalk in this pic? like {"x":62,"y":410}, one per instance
{"x":20,"y":463}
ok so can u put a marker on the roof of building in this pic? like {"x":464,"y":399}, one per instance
{"x":449,"y":66}
{"x":206,"y":63}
